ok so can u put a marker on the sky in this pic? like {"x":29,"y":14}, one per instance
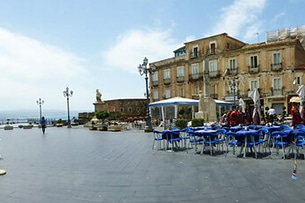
{"x":48,"y":45}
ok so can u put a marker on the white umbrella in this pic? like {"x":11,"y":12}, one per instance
{"x":254,"y":95}
{"x":301,"y":93}
{"x":243,"y":105}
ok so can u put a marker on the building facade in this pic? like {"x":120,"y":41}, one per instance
{"x":232,"y":69}
{"x":123,"y":109}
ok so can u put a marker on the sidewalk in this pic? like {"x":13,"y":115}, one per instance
{"x":81,"y":166}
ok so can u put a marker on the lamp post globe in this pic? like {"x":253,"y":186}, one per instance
{"x":144,"y":69}
{"x":68,"y":94}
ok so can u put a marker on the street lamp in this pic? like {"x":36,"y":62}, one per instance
{"x":40,"y":102}
{"x":68,"y":94}
{"x":234,"y":85}
{"x":144,"y":69}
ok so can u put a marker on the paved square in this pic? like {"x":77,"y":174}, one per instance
{"x":81,"y":166}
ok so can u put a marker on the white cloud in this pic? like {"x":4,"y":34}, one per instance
{"x":240,"y":19}
{"x":134,"y":45}
{"x":31,"y":69}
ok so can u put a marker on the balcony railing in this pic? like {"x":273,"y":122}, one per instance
{"x":214,"y":74}
{"x":233,"y":71}
{"x":276,"y":92}
{"x":195,"y":76}
{"x":155,"y":83}
{"x":212,"y":51}
{"x":167,"y":81}
{"x":195,"y":54}
{"x":180,"y":78}
{"x":253,"y":69}
{"x":276,"y":66}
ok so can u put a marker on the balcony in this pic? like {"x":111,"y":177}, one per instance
{"x":180,"y":79}
{"x":214,"y":74}
{"x":232,"y":71}
{"x":276,"y":66}
{"x":155,"y":83}
{"x":212,"y":51}
{"x":195,"y":76}
{"x":277,"y":92}
{"x":167,"y":81}
{"x":253,"y":69}
{"x":195,"y":54}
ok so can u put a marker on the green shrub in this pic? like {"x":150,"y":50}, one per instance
{"x":196,"y":122}
{"x":102,"y":115}
{"x":181,"y":123}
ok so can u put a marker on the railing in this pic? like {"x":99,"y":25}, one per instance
{"x":276,"y":92}
{"x":233,"y":71}
{"x":180,"y":78}
{"x":214,"y":74}
{"x":155,"y":83}
{"x":194,"y":54}
{"x":167,"y":81}
{"x":212,"y":51}
{"x":253,"y":69}
{"x":276,"y":66}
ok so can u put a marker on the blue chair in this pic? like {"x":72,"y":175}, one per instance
{"x":215,"y":139}
{"x":158,"y":138}
{"x":185,"y":136}
{"x":281,"y":140}
{"x":233,"y":140}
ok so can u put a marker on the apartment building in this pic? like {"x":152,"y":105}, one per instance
{"x":226,"y":68}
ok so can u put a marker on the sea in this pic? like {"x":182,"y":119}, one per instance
{"x":26,"y":116}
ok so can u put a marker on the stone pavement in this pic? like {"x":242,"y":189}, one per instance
{"x":81,"y":166}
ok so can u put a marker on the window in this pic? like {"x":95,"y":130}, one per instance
{"x":212,"y":49}
{"x":180,"y":73}
{"x":167,"y":74}
{"x":232,"y":64}
{"x":253,"y":62}
{"x":167,"y":94}
{"x":276,"y":59}
{"x":156,"y":95}
{"x":167,"y":79}
{"x":155,"y":77}
{"x":195,"y":71}
{"x":297,"y":80}
{"x":254,"y":85}
{"x":213,"y":66}
{"x":195,"y":90}
{"x":181,"y":92}
{"x":195,"y":52}
{"x":277,"y":84}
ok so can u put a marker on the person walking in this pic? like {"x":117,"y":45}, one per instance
{"x":43,"y":124}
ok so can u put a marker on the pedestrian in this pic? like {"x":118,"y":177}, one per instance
{"x":272,"y":114}
{"x":295,"y":114}
{"x":43,"y":124}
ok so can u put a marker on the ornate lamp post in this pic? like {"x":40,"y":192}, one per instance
{"x":145,"y":70}
{"x":234,"y":85}
{"x":68,"y":95}
{"x":40,"y":103}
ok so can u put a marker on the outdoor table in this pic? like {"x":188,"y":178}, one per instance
{"x":244,"y":134}
{"x":207,"y":134}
